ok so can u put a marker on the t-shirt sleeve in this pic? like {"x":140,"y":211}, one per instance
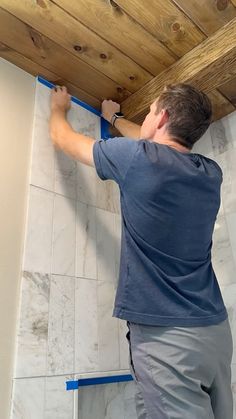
{"x":113,"y":157}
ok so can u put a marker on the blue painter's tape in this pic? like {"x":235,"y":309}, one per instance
{"x":105,"y":134}
{"x":74,"y":385}
{"x":104,"y":124}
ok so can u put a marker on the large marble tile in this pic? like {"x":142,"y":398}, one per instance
{"x":42,"y":101}
{"x":37,"y":254}
{"x":129,"y":401}
{"x":28,"y":398}
{"x":65,"y":175}
{"x":91,"y":403}
{"x":117,"y":245}
{"x":231,"y":223}
{"x":106,"y":246}
{"x":42,"y":160}
{"x":108,"y":195}
{"x":64,"y":231}
{"x":109,"y":401}
{"x":220,"y":140}
{"x":86,"y":184}
{"x":229,"y":122}
{"x":233,"y":386}
{"x":59,"y":403}
{"x":123,"y":345}
{"x":114,"y":401}
{"x":222,"y":256}
{"x":204,"y":145}
{"x":86,"y":257}
{"x":33,"y":325}
{"x":86,"y":325}
{"x":108,"y":334}
{"x":60,"y":358}
{"x":229,"y":297}
{"x":84,"y":121}
{"x":227,"y":162}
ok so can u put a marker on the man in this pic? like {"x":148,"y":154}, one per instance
{"x":179,"y":334}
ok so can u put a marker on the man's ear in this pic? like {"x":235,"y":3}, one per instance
{"x":162,"y":119}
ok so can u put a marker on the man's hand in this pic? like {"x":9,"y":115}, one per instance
{"x":109,"y":108}
{"x":60,"y":99}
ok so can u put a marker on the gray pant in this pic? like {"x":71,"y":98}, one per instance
{"x":182,"y":372}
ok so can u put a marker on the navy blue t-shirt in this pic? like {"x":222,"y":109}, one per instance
{"x":169,"y":203}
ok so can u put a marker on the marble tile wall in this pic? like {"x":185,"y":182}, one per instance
{"x":219,"y":143}
{"x":69,"y":278}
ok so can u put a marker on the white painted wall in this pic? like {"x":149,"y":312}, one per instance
{"x":16,"y":115}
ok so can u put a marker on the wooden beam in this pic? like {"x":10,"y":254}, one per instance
{"x":229,"y":90}
{"x":209,"y":65}
{"x":221,"y":106}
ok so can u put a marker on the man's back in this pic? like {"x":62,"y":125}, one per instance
{"x":169,"y":203}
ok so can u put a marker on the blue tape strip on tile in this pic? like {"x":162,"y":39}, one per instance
{"x":74,"y":385}
{"x":104,"y":124}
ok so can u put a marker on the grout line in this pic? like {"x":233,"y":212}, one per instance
{"x":74,"y":199}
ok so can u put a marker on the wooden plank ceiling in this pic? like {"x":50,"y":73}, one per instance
{"x":125,"y":49}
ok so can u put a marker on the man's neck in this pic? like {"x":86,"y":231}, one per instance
{"x":171,"y":143}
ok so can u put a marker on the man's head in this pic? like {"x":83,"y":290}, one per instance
{"x":181,"y":113}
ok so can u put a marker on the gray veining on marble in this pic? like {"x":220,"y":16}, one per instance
{"x":124,"y":345}
{"x":65,"y":175}
{"x":43,"y":155}
{"x":60,"y":357}
{"x":64,"y":232}
{"x":86,"y":184}
{"x":33,"y":325}
{"x":86,"y":255}
{"x":86,"y":326}
{"x":37,"y":253}
{"x":227,"y":161}
{"x":107,"y":197}
{"x":231,"y":223}
{"x":108,"y":334}
{"x":28,"y":398}
{"x":229,"y":122}
{"x":204,"y":145}
{"x":222,"y":256}
{"x":58,"y":401}
{"x":220,"y":140}
{"x":106,"y":245}
{"x":129,"y":401}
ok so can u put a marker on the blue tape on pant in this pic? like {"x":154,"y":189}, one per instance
{"x":104,"y":124}
{"x":74,"y":385}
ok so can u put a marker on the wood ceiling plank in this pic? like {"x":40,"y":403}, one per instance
{"x":50,"y":55}
{"x":220,"y":105}
{"x":49,"y":19}
{"x":229,"y":90}
{"x":166,"y":22}
{"x":36,"y":70}
{"x":207,"y":66}
{"x":112,"y":24}
{"x":209,"y":15}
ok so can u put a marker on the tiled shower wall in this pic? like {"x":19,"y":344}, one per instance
{"x":219,"y":143}
{"x":70,"y":271}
